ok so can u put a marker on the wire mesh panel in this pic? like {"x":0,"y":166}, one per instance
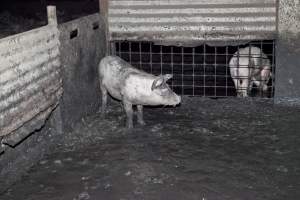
{"x":199,"y":71}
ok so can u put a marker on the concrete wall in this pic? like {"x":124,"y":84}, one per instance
{"x":287,"y":81}
{"x":80,"y":56}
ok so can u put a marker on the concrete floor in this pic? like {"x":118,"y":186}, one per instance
{"x":207,"y":149}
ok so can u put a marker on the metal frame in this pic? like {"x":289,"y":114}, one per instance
{"x":197,"y":71}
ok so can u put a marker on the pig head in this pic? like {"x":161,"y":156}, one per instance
{"x":133,"y":87}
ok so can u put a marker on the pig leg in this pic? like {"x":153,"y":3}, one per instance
{"x":104,"y":98}
{"x":259,"y":85}
{"x":128,"y":109}
{"x":252,"y":83}
{"x":140,"y":115}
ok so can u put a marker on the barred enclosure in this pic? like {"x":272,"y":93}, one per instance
{"x":198,"y":71}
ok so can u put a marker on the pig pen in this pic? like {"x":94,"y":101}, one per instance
{"x":204,"y":149}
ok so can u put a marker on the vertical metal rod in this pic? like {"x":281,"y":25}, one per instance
{"x":130,"y":52}
{"x":226,"y":73}
{"x":120,"y":49}
{"x":151,"y":64}
{"x":172,"y":66}
{"x":238,"y":69}
{"x":215,"y":71}
{"x":140,"y":50}
{"x":113,"y":48}
{"x":160,"y":55}
{"x":204,"y":70}
{"x":273,"y":68}
{"x":249,"y":62}
{"x":261,"y":66}
{"x":182,"y":71}
{"x":193,"y":55}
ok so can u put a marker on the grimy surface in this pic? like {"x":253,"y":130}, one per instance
{"x":206,"y":149}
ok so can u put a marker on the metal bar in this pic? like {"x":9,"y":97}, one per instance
{"x":140,"y":49}
{"x":273,"y":69}
{"x":204,"y":69}
{"x":172,"y":65}
{"x":119,"y":48}
{"x":238,"y":66}
{"x":160,"y":56}
{"x":226,"y":71}
{"x":215,"y":66}
{"x":193,"y":55}
{"x":261,"y":59}
{"x":130,"y":52}
{"x":182,"y":71}
{"x":151,"y":64}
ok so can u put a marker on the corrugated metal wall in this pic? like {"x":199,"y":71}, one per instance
{"x":30,"y":79}
{"x":191,"y":22}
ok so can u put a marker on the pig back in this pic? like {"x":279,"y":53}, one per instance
{"x":113,"y":72}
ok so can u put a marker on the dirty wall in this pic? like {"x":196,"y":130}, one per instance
{"x":287,"y":80}
{"x":30,"y":90}
{"x":82,"y":46}
{"x":69,"y":67}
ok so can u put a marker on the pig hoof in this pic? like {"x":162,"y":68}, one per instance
{"x":129,"y":127}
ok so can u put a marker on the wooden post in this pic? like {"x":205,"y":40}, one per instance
{"x":103,"y":5}
{"x":51,"y":13}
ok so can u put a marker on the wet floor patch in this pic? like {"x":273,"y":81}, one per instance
{"x":205,"y":149}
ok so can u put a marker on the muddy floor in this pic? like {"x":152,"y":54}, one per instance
{"x":206,"y":149}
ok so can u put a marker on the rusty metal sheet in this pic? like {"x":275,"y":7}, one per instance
{"x":192,"y":22}
{"x":30,"y":77}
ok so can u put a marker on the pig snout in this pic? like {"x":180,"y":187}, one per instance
{"x":242,"y":93}
{"x":175,"y":100}
{"x":178,"y":100}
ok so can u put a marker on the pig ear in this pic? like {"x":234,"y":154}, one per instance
{"x":167,"y":77}
{"x":157,"y":82}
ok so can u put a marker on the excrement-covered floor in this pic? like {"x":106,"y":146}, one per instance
{"x":205,"y":149}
